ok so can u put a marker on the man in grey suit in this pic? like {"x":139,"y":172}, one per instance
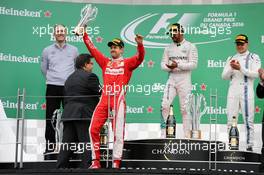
{"x":57,"y":64}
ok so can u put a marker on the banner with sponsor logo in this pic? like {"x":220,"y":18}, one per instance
{"x":27,"y":28}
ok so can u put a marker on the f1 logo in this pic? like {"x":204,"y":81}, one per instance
{"x":162,"y":22}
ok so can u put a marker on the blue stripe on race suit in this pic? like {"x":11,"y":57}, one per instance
{"x":246,"y":98}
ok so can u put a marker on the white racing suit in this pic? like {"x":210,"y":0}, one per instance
{"x":241,"y":90}
{"x":179,"y":82}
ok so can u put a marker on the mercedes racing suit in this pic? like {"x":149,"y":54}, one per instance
{"x":241,"y":91}
{"x":179,"y":82}
{"x":116,"y":74}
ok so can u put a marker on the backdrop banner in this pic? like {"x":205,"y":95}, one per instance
{"x":27,"y":28}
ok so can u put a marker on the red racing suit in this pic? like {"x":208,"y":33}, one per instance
{"x":116,"y":75}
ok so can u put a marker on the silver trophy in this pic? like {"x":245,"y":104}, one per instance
{"x":88,"y":13}
{"x":56,"y":119}
{"x":196,"y":108}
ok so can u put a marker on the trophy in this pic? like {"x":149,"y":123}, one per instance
{"x":195,"y":103}
{"x":104,"y":135}
{"x":58,"y":127}
{"x":88,"y":13}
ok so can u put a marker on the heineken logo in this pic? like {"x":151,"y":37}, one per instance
{"x":13,"y":105}
{"x":215,"y":63}
{"x":19,"y":59}
{"x":20,"y":12}
{"x":134,"y":110}
{"x":218,"y":110}
{"x":139,"y":109}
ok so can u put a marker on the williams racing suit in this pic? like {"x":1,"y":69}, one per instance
{"x":116,"y":75}
{"x":241,"y":91}
{"x":179,"y":82}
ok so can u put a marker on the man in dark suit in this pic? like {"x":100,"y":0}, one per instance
{"x":260,"y":94}
{"x":82,"y":91}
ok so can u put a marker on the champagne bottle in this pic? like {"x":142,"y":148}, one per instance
{"x":234,"y":135}
{"x":171,"y":124}
{"x":103,"y":135}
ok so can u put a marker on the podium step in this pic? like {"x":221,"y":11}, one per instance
{"x":154,"y":156}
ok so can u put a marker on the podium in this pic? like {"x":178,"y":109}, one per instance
{"x":186,"y":154}
{"x":153,"y":156}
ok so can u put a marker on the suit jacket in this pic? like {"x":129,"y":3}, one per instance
{"x":260,"y":91}
{"x":260,"y":94}
{"x":82,"y":92}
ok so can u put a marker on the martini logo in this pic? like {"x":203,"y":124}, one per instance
{"x":155,"y":33}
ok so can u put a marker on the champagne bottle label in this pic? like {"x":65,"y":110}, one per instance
{"x":103,"y":135}
{"x":170,"y":124}
{"x":104,"y":140}
{"x":234,"y":142}
{"x":170,"y":130}
{"x":234,"y":135}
